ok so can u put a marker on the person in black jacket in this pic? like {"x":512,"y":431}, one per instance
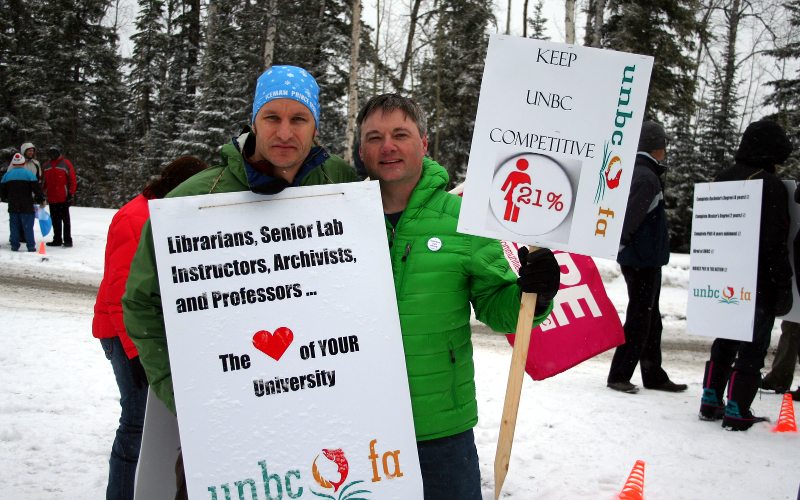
{"x":735,"y":363}
{"x":644,"y":248}
{"x":20,"y":189}
{"x":779,"y":379}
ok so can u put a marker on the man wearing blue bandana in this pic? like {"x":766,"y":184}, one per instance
{"x":277,"y":150}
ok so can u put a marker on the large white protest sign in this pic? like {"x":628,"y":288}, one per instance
{"x":285,"y":345}
{"x":554,"y":144}
{"x":724,"y":259}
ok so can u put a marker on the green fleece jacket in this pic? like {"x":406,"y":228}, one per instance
{"x":438,"y":273}
{"x":141,"y":304}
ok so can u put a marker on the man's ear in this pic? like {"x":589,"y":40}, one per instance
{"x":424,"y":144}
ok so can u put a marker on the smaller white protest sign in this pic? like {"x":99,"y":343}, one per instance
{"x":724,"y":259}
{"x":552,"y":157}
{"x":285,"y":345}
{"x":794,"y":229}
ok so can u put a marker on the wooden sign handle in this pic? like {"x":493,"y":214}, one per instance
{"x":514,"y":388}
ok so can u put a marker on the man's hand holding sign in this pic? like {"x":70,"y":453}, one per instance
{"x":551,"y":162}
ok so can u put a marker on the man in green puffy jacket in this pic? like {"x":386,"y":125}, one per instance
{"x":277,"y":151}
{"x":438,"y":273}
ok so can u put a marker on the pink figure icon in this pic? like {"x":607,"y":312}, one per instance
{"x":514,"y":179}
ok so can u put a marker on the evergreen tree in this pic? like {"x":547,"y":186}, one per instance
{"x":664,"y":29}
{"x":450,"y":80}
{"x":222,"y":105}
{"x":23,"y":102}
{"x":82,"y":89}
{"x":786,"y":91}
{"x":538,"y":23}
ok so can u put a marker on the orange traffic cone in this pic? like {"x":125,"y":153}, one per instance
{"x":42,"y":251}
{"x":634,"y":486}
{"x":786,"y":421}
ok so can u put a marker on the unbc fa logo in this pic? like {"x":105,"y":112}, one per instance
{"x":329,"y":469}
{"x":726,"y":295}
{"x":611,"y":167}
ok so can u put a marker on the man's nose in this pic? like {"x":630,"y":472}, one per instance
{"x":284,"y":131}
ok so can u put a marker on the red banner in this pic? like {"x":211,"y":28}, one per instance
{"x":583,"y":323}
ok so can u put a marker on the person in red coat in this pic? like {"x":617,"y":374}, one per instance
{"x":107,"y":325}
{"x":60,"y":185}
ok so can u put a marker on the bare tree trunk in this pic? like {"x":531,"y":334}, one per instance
{"x":378,"y":20}
{"x":438,"y":113}
{"x":525,"y":19}
{"x":352,"y":89}
{"x":599,"y":18}
{"x":734,"y":15}
{"x":508,"y":19}
{"x":569,"y":20}
{"x":272,"y":28}
{"x":412,"y":28}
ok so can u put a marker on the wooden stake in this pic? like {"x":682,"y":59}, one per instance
{"x":514,"y":388}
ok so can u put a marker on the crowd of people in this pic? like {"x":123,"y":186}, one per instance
{"x":28,"y":185}
{"x":279,"y":149}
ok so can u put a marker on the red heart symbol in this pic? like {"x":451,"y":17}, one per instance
{"x":273,"y":344}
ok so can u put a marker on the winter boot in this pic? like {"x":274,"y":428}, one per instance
{"x":714,"y":380}
{"x":742,"y":388}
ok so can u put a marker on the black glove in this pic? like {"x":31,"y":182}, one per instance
{"x":539,"y":273}
{"x":783,"y":301}
{"x":137,"y":372}
{"x":69,"y":199}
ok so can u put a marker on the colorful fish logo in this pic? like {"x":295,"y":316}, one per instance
{"x":342,"y":467}
{"x":605,"y":179}
{"x":336,"y":456}
{"x":727,"y":296}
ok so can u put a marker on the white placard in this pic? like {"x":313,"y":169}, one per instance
{"x":155,"y":472}
{"x":285,"y":344}
{"x":794,"y":227}
{"x":724,"y":259}
{"x":554,"y":144}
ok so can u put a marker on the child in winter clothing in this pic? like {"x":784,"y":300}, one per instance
{"x":19,"y":188}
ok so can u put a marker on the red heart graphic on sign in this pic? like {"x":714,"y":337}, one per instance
{"x":273,"y":344}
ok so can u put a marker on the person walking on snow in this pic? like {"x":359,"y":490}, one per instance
{"x":60,"y":185}
{"x":644,"y":248}
{"x":734,"y":363}
{"x":20,"y":189}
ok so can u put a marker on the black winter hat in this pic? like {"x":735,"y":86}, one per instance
{"x":652,"y":137}
{"x":764,"y":145}
{"x":54,"y":149}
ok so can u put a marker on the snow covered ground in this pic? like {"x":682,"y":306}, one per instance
{"x":575,"y":439}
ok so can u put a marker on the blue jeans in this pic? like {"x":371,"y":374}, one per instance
{"x":128,"y":441}
{"x":19,"y":223}
{"x":450,"y":469}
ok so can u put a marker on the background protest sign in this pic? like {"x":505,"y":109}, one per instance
{"x":285,"y":344}
{"x":584,"y":321}
{"x":724,"y":259}
{"x":554,"y":144}
{"x":794,"y":228}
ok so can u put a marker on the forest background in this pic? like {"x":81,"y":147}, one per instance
{"x":124,"y":86}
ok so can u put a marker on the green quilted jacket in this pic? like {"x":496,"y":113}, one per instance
{"x":141,"y":304}
{"x":438,"y":273}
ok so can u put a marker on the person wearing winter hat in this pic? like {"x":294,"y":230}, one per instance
{"x":276,"y":150}
{"x":644,"y":249}
{"x":737,"y":364}
{"x":28,"y":150}
{"x":60,"y":184}
{"x":20,"y":189}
